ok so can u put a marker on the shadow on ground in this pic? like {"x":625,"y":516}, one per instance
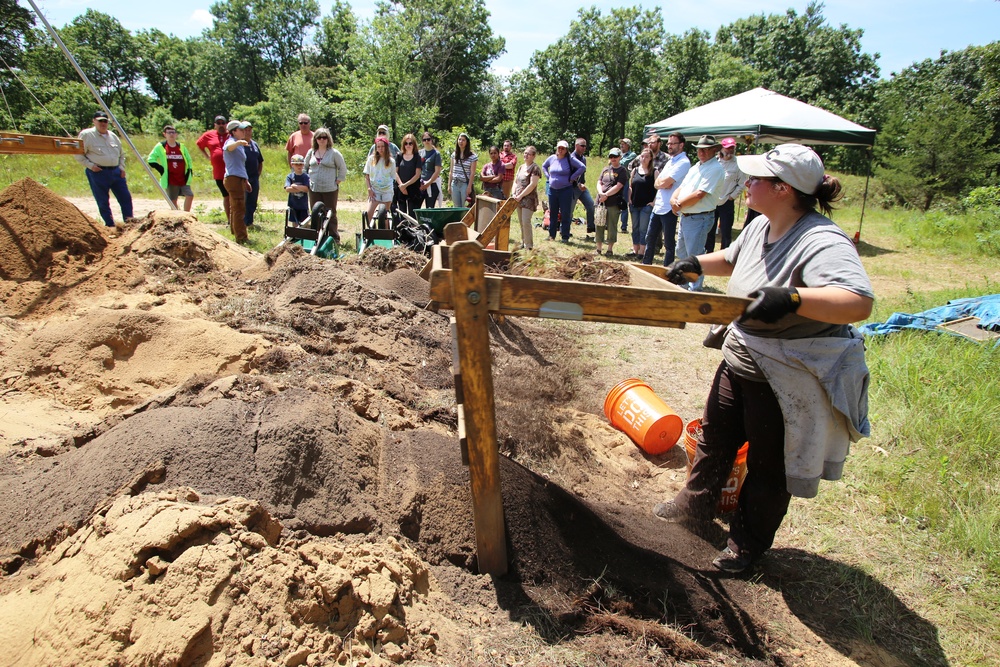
{"x":851,"y":611}
{"x":869,"y":250}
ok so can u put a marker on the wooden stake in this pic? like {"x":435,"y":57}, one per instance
{"x":468,"y":291}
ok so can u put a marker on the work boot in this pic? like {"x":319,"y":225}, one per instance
{"x":732,"y":562}
{"x":670,"y":512}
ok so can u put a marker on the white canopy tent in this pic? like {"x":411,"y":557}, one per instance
{"x":763,"y":116}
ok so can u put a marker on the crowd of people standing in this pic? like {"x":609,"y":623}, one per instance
{"x":672,"y":205}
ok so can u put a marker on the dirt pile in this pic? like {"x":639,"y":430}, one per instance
{"x":40,"y":231}
{"x":171,"y":579}
{"x":102,"y":358}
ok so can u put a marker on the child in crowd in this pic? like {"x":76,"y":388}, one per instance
{"x":297,"y":187}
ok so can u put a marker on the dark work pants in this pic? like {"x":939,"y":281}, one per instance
{"x":251,"y":203}
{"x":110,"y":180}
{"x":740,"y":410}
{"x":430,"y":195}
{"x":409,"y":202}
{"x":661,"y":226}
{"x":725,"y":214}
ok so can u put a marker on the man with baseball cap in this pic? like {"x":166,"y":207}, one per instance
{"x":695,"y":201}
{"x":732,"y":187}
{"x":105,"y":162}
{"x":383,"y":131}
{"x":210,"y":144}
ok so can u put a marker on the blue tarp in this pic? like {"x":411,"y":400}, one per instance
{"x":986,"y":308}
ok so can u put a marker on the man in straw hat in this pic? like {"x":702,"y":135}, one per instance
{"x":695,"y":200}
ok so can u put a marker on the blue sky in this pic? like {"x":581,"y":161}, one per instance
{"x":901,"y":32}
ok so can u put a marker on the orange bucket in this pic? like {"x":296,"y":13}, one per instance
{"x":634,"y":409}
{"x":731,"y":491}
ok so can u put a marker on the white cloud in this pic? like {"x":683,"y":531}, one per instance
{"x":202,"y":18}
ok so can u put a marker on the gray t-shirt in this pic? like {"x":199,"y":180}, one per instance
{"x":813,"y":253}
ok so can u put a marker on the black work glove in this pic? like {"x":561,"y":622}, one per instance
{"x":770,"y":304}
{"x":684,"y":270}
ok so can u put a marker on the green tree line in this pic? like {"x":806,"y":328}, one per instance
{"x":425,"y":64}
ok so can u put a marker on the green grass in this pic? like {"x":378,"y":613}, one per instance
{"x":62,"y":174}
{"x":919,"y":507}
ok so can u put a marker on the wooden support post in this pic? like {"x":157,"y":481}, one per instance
{"x":16,"y":142}
{"x":456,"y":370}
{"x":469,"y":219}
{"x":498,"y":229}
{"x":468,"y":291}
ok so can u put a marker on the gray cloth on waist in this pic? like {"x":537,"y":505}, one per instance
{"x":822,"y":387}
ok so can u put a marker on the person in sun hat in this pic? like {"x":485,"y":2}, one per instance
{"x":793,"y":380}
{"x":725,"y":212}
{"x":610,"y":196}
{"x":105,"y":162}
{"x":383,"y":131}
{"x":561,"y":170}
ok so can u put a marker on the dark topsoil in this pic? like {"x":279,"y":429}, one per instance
{"x":347,"y":427}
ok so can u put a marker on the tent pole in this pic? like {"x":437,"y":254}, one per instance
{"x":864,"y":199}
{"x":100,"y":101}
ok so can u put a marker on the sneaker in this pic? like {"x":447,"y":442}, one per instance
{"x":669,"y":511}
{"x":732,"y":562}
{"x":624,"y":229}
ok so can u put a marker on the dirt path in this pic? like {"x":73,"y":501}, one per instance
{"x":142,"y":207}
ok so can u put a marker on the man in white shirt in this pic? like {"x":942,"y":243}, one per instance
{"x":105,"y":162}
{"x":695,"y":201}
{"x":663,"y":221}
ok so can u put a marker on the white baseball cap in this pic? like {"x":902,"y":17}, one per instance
{"x":795,"y":164}
{"x":563,"y":144}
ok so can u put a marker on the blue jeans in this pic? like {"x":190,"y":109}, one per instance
{"x":458,"y":191}
{"x":561,"y":211}
{"x":661,"y":225}
{"x":640,"y":223}
{"x":691,"y":239}
{"x":109,"y":180}
{"x":583,"y":196}
{"x":625,"y":207}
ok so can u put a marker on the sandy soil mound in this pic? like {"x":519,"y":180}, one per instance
{"x":40,"y":231}
{"x":113,"y":358}
{"x":162,"y":579}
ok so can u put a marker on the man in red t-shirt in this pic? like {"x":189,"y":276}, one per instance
{"x":301,"y":140}
{"x":509,"y":159}
{"x":210,"y":144}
